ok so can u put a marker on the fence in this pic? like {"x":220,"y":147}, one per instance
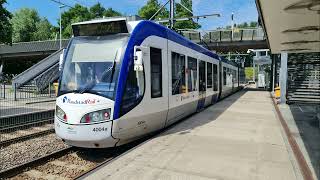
{"x":25,"y":112}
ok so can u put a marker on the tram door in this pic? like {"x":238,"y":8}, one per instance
{"x":202,"y":85}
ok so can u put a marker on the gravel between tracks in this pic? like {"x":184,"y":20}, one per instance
{"x":22,"y":152}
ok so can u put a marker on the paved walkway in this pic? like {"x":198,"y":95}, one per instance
{"x":238,"y":138}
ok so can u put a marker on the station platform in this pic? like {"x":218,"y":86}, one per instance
{"x":240,"y":137}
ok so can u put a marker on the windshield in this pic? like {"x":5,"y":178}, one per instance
{"x":92,"y":65}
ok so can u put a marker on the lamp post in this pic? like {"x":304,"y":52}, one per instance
{"x":60,"y":7}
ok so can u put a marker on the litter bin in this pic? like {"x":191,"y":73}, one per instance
{"x":277,"y":92}
{"x":55,"y":85}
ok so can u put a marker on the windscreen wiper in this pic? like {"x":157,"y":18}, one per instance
{"x":87,"y":87}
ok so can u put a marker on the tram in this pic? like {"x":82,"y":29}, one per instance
{"x":121,"y":80}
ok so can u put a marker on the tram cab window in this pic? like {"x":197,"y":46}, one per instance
{"x":178,"y":73}
{"x":192,"y":74}
{"x":156,"y":72}
{"x":224,"y":76}
{"x":215,"y":77}
{"x":132,"y":94}
{"x":209,"y":75}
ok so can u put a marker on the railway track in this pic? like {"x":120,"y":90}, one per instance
{"x":19,"y":133}
{"x":67,"y":163}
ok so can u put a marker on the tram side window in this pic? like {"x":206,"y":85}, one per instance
{"x":192,"y":74}
{"x":156,"y":72}
{"x":178,"y":73}
{"x":209,"y":75}
{"x":132,"y":94}
{"x":224,"y":76}
{"x":215,"y":77}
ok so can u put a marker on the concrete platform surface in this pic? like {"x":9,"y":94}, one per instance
{"x":237,"y":138}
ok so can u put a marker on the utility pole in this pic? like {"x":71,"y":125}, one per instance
{"x":171,"y":18}
{"x":62,"y":6}
{"x":232,"y":26}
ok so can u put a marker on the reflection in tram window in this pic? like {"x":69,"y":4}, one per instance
{"x":133,"y":93}
{"x":209,"y":75}
{"x":156,"y":72}
{"x":192,"y":74}
{"x":215,"y":77}
{"x":224,"y":76}
{"x":178,"y":73}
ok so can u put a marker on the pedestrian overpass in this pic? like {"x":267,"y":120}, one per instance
{"x":45,"y":54}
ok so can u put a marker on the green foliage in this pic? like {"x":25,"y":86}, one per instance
{"x":44,"y":30}
{"x":152,"y":6}
{"x":242,"y":25}
{"x":5,"y":25}
{"x":79,"y":13}
{"x":249,"y":72}
{"x":97,"y":11}
{"x":28,"y":26}
{"x":76,"y":14}
{"x":182,"y":12}
{"x":24,"y":24}
{"x":111,"y":13}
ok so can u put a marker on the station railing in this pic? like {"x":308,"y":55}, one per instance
{"x":25,"y":112}
{"x":225,"y":35}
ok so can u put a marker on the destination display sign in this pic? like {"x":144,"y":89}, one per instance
{"x":100,"y":28}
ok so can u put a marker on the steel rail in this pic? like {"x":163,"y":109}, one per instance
{"x":36,"y":162}
{"x":25,"y":137}
{"x":25,"y":126}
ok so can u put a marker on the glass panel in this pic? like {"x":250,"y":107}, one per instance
{"x":202,"y":76}
{"x":215,"y":77}
{"x":178,"y":73}
{"x":156,"y":72}
{"x":209,"y":75}
{"x":224,"y":76}
{"x":95,"y":71}
{"x":132,"y":94}
{"x":192,"y":74}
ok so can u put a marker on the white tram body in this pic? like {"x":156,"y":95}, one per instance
{"x":122,"y":80}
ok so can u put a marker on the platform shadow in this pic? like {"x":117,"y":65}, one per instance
{"x":304,"y":116}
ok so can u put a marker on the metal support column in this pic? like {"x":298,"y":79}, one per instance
{"x":254,"y":72}
{"x":171,"y":13}
{"x":272,"y":78}
{"x":283,"y":77}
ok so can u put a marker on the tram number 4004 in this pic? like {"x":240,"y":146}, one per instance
{"x":99,"y":129}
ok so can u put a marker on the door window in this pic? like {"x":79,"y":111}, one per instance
{"x":156,"y":72}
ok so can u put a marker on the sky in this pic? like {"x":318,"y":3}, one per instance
{"x":244,"y":10}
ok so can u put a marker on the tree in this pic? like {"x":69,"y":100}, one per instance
{"x":5,"y":25}
{"x":97,"y":11}
{"x":152,"y":6}
{"x":111,"y":13}
{"x":182,"y":12}
{"x":79,"y":13}
{"x":76,"y":14}
{"x":44,"y":30}
{"x":24,"y":24}
{"x":28,"y":26}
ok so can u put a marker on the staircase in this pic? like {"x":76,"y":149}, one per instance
{"x":38,"y":77}
{"x":304,"y":81}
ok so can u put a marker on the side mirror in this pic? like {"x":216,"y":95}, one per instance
{"x":138,"y":57}
{"x":138,"y":61}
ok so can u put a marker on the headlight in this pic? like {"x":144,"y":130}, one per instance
{"x":96,"y":116}
{"x":61,"y":114}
